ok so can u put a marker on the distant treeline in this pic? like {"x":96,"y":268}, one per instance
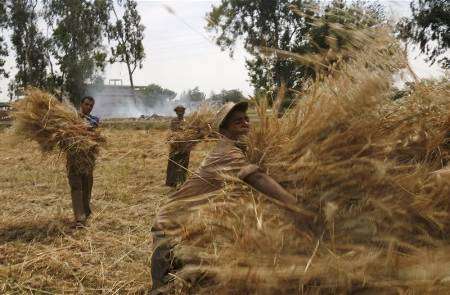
{"x":154,"y":94}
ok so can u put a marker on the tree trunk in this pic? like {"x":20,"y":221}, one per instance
{"x":130,"y":74}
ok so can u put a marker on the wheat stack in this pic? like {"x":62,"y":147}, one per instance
{"x":197,"y":128}
{"x":362,"y":166}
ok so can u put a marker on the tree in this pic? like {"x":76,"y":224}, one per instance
{"x":30,"y":45}
{"x":429,"y":27}
{"x":154,"y":94}
{"x":233,"y":95}
{"x":289,"y":25}
{"x":193,"y":95}
{"x":78,"y":30}
{"x":3,"y":47}
{"x":128,"y":33}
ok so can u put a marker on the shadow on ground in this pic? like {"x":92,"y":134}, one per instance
{"x":36,"y":230}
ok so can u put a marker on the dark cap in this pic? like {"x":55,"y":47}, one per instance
{"x":179,"y":107}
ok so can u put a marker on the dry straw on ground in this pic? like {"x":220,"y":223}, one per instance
{"x":40,"y":253}
{"x":361,"y":166}
{"x":41,"y":117}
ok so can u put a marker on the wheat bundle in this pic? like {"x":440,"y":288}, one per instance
{"x":196,"y":128}
{"x":353,"y":159}
{"x":421,"y":124}
{"x":41,"y":117}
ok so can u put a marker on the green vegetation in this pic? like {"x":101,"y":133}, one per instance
{"x":71,"y":53}
{"x":300,"y":27}
{"x":154,"y":94}
{"x":429,"y":27}
{"x":3,"y":46}
{"x":233,"y":95}
{"x":126,"y":34}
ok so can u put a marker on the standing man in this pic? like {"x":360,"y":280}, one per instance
{"x":81,"y":180}
{"x":227,"y":159}
{"x":178,"y":153}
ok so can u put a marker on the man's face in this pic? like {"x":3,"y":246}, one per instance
{"x":238,"y":124}
{"x":180,"y":113}
{"x":86,"y":106}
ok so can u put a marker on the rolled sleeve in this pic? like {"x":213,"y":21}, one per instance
{"x":238,"y":164}
{"x":247,"y":170}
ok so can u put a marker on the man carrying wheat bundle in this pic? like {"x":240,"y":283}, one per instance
{"x":226,"y":159}
{"x":81,"y":179}
{"x":179,"y":153}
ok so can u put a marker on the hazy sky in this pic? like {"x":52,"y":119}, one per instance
{"x":180,"y":54}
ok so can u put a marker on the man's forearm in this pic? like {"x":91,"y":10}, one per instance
{"x":268,"y":186}
{"x":275,"y":192}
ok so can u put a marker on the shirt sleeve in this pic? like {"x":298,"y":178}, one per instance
{"x":238,"y":164}
{"x":247,"y":170}
{"x":93,"y":121}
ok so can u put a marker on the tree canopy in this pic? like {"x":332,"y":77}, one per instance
{"x":3,"y":46}
{"x":233,"y":95}
{"x":289,"y":25}
{"x":72,"y":52}
{"x":127,"y":33}
{"x":154,"y":94}
{"x":429,"y":28}
{"x":193,"y":95}
{"x":30,"y":45}
{"x":78,"y":31}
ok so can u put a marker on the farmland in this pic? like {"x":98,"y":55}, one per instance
{"x":41,"y":253}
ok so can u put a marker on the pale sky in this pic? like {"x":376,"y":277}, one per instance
{"x":180,"y":54}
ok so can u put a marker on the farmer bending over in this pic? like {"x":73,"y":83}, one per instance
{"x":227,"y":158}
{"x":81,"y":179}
{"x":178,"y":154}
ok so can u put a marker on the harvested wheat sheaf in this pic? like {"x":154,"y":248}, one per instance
{"x":39,"y":116}
{"x":362,"y":166}
{"x":196,"y":129}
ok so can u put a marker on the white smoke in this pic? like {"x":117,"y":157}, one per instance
{"x":128,"y":108}
{"x":123,"y":102}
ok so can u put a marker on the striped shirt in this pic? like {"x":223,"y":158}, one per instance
{"x":93,"y":121}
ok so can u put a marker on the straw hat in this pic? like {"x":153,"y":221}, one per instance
{"x":226,"y":110}
{"x":179,"y":107}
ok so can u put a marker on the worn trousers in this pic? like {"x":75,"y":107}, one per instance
{"x":177,"y":168}
{"x":80,"y":190}
{"x":163,"y":262}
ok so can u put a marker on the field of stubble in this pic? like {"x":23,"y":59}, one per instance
{"x":40,"y":253}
